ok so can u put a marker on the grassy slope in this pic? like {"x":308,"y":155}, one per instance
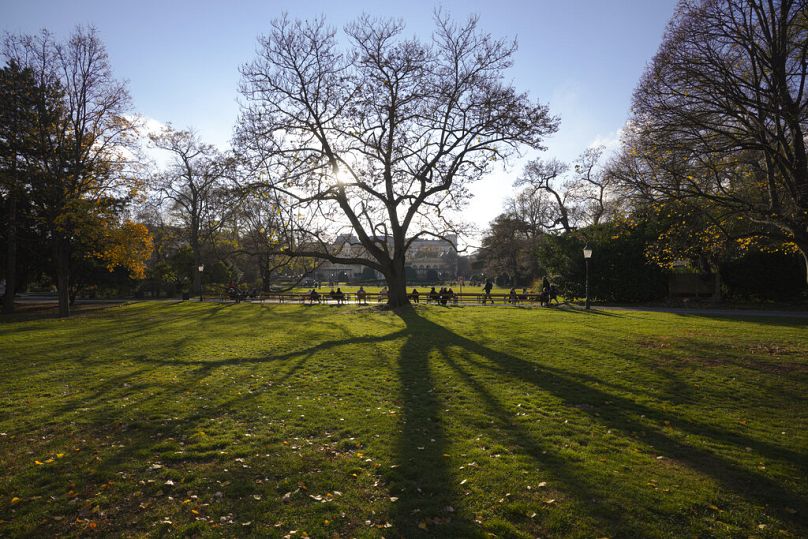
{"x":461,"y":421}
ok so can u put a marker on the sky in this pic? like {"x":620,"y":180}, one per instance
{"x":583,"y":58}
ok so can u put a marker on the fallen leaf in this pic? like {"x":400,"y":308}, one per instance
{"x":15,"y":500}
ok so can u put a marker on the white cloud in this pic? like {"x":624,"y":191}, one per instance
{"x":151,"y":126}
{"x":609,"y":141}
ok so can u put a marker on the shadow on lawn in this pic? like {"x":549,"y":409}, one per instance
{"x":422,"y":480}
{"x":423,"y":463}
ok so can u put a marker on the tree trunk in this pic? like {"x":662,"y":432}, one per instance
{"x":397,"y":285}
{"x":716,"y":286}
{"x":11,"y":255}
{"x":802,"y":245}
{"x":266,"y":275}
{"x":715,"y":270}
{"x":197,"y":285}
{"x":62,"y":260}
{"x":196,"y":274}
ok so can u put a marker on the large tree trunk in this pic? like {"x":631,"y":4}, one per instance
{"x":62,"y":260}
{"x":11,"y":255}
{"x":397,"y":284}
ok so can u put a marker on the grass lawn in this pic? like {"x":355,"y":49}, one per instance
{"x":285,"y":420}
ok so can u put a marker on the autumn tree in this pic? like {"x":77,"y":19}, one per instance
{"x":80,"y":166}
{"x":720,"y":117}
{"x":380,"y":141}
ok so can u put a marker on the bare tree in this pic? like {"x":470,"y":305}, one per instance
{"x":379,"y":143}
{"x":564,"y":198}
{"x":590,"y":190}
{"x":195,"y":186}
{"x":720,"y":116}
{"x":262,"y":226}
{"x":82,"y":155}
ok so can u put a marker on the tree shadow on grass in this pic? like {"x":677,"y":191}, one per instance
{"x":622,"y":415}
{"x":422,"y":481}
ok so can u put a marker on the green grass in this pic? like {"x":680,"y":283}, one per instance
{"x":232,"y":420}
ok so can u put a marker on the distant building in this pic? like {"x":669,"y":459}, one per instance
{"x":426,"y":257}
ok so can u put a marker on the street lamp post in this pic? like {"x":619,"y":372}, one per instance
{"x":201,"y":268}
{"x":587,"y":256}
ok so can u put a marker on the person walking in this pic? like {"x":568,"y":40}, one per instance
{"x":487,"y":288}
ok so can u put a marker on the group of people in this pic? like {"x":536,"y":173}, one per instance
{"x":442,"y":296}
{"x":337,"y":295}
{"x":236,"y":293}
{"x":548,"y":294}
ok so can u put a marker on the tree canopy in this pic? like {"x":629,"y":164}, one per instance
{"x":720,"y":117}
{"x":379,"y":142}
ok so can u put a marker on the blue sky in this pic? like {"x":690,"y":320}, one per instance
{"x":181,"y":58}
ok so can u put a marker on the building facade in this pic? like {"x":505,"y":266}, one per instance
{"x":425,"y":259}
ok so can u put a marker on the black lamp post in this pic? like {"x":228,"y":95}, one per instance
{"x":587,"y":256}
{"x":201,"y":268}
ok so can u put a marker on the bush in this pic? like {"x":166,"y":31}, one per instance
{"x":619,"y":270}
{"x":765,"y":276}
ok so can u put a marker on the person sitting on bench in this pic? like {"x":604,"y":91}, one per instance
{"x":523,"y":295}
{"x":415,"y":295}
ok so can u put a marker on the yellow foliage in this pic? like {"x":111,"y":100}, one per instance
{"x":130,"y":246}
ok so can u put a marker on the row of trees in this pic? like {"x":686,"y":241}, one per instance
{"x":377,"y":138}
{"x":65,"y":161}
{"x":380,"y":139}
{"x":713,"y":162}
